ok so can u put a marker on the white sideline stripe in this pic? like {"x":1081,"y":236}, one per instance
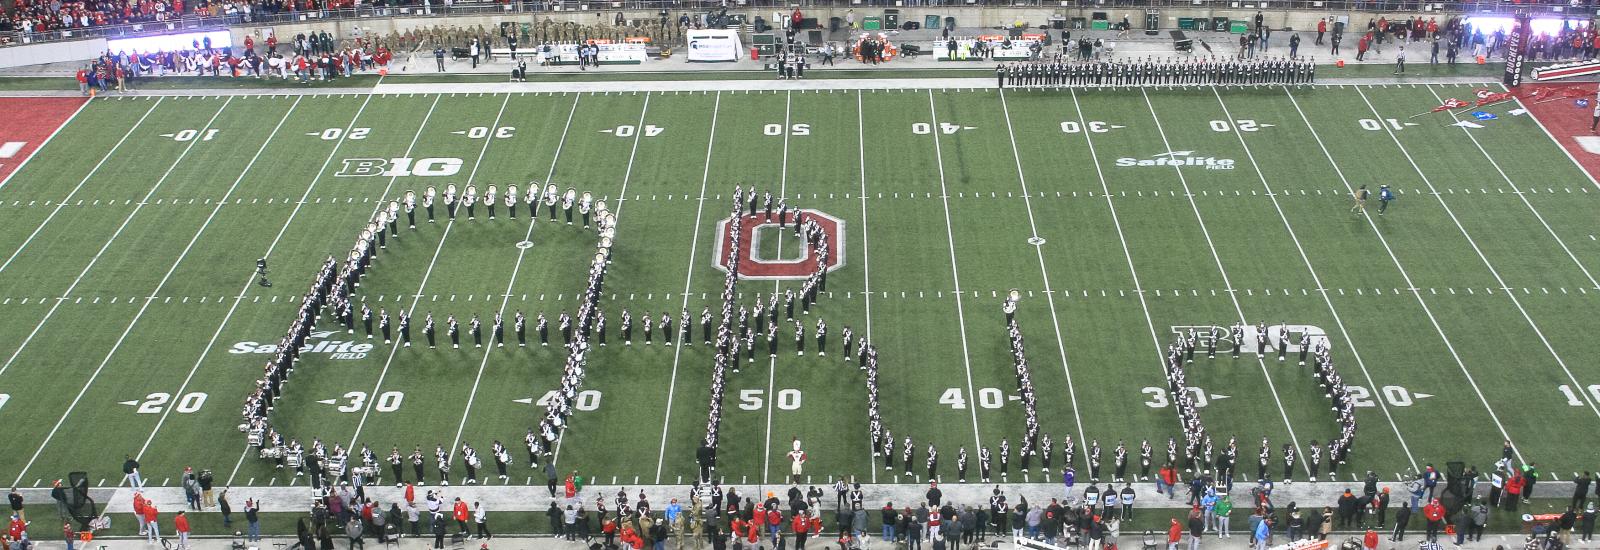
{"x":517,"y":267}
{"x":1044,"y":273}
{"x":1382,"y":403}
{"x":1524,"y":197}
{"x":146,"y":305}
{"x":772,"y":363}
{"x":866,"y":271}
{"x":1403,"y":274}
{"x":92,"y":171}
{"x":955,"y":276}
{"x":1233,"y":296}
{"x":626,"y":175}
{"x":1492,"y":271}
{"x":47,"y":141}
{"x":694,"y":243}
{"x":1127,"y":253}
{"x":416,"y":296}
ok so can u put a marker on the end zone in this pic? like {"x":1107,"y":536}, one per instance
{"x":1568,"y":125}
{"x":33,"y":122}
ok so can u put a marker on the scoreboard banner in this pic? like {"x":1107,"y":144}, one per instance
{"x":1516,"y":49}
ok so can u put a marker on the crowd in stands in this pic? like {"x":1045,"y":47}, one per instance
{"x":306,"y":60}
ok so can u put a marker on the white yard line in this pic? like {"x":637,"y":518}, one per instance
{"x":1321,"y":289}
{"x":1522,"y":196}
{"x":1127,"y":253}
{"x":627,"y":174}
{"x":107,"y":246}
{"x":866,"y":269}
{"x":955,"y":276}
{"x":1492,"y":271}
{"x":516,"y":268}
{"x":688,"y":280}
{"x":1232,"y":296}
{"x":52,"y":137}
{"x":320,"y":171}
{"x":163,"y":282}
{"x":772,"y":364}
{"x":1409,"y":284}
{"x":70,"y":194}
{"x":1049,"y":295}
{"x":433,"y":261}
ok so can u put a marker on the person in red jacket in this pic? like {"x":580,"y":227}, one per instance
{"x":1371,"y":540}
{"x":774,"y":526}
{"x":1514,"y":489}
{"x":754,"y":531}
{"x":180,"y":523}
{"x":150,"y":513}
{"x":1434,"y":512}
{"x":1174,"y":534}
{"x":459,"y":510}
{"x":138,"y":512}
{"x":609,"y":529}
{"x":802,"y":529}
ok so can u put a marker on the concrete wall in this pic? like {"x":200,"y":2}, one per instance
{"x":970,"y":20}
{"x":51,"y":52}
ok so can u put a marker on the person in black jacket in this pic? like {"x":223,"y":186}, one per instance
{"x":438,"y":530}
{"x":557,"y":526}
{"x":1402,"y":516}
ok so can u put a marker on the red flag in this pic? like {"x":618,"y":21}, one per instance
{"x":1449,"y":104}
{"x":1492,"y":97}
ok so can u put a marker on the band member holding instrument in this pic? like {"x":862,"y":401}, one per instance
{"x":427,"y":201}
{"x":450,"y":200}
{"x":411,"y":209}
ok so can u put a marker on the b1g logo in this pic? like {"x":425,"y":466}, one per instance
{"x":752,"y":265}
{"x":399,"y":166}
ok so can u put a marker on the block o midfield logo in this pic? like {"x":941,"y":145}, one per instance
{"x":752,"y":266}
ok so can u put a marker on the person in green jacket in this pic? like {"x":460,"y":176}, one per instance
{"x":1223,"y":506}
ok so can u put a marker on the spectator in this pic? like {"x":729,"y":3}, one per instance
{"x":180,"y":523}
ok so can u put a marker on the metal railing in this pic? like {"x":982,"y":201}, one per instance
{"x":674,"y":8}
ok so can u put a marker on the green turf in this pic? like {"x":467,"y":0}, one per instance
{"x":929,"y":189}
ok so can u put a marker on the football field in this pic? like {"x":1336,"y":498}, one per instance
{"x":1461,"y":317}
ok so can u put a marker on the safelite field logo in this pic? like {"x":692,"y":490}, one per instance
{"x":316,"y":342}
{"x":1178,"y":158}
